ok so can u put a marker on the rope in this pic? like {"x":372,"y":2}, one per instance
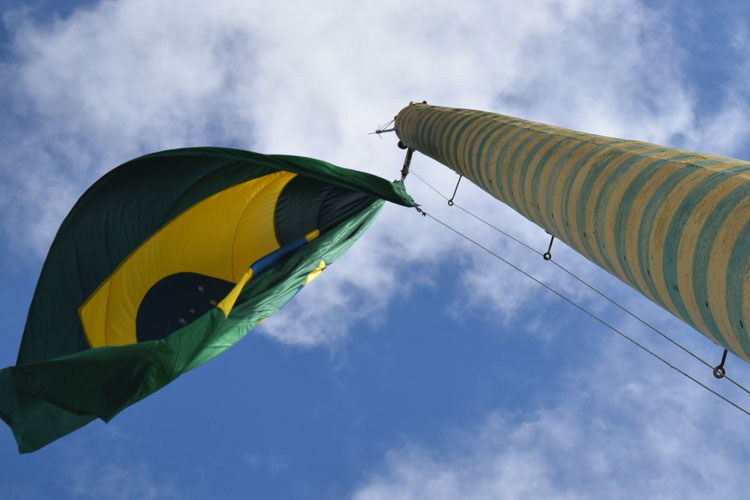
{"x":587,"y":312}
{"x":585,"y":283}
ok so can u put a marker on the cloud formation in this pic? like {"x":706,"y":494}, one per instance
{"x":612,"y":433}
{"x":114,"y":481}
{"x":119,"y":79}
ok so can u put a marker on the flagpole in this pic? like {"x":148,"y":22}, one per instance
{"x":673,"y":224}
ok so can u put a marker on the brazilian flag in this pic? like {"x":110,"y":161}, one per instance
{"x":164,"y":263}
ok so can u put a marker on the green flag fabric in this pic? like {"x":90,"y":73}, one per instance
{"x":164,"y":263}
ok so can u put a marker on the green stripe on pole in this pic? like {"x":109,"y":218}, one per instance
{"x":628,"y":206}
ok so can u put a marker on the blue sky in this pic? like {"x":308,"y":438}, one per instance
{"x":417,"y":366}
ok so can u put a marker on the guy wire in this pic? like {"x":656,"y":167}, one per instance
{"x":584,"y":282}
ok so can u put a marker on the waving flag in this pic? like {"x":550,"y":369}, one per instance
{"x":163,"y":264}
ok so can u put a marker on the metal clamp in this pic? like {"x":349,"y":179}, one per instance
{"x":407,"y":161}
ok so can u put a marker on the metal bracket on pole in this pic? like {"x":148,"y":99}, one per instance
{"x":719,"y":371}
{"x":407,"y":160}
{"x":450,"y":202}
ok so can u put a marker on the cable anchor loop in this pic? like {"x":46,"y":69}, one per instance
{"x":450,"y":202}
{"x":548,"y":254}
{"x":719,"y":371}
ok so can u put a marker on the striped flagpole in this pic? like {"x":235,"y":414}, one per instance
{"x":673,"y":224}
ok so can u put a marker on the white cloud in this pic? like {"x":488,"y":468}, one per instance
{"x":726,"y":132}
{"x":614,"y":431}
{"x":122,"y":78}
{"x":113,"y":481}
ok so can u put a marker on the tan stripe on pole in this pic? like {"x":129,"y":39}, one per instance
{"x":673,"y":224}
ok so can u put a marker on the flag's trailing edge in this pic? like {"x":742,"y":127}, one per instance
{"x":164,"y":263}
